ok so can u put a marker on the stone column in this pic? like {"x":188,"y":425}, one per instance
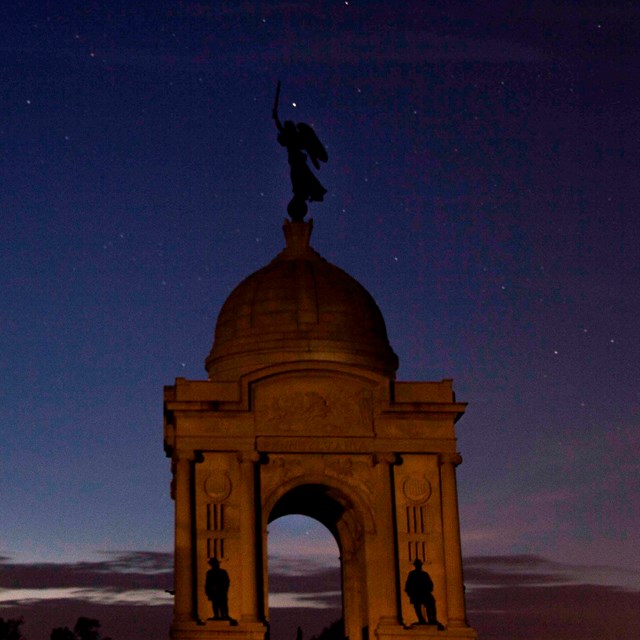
{"x":183,"y":579}
{"x":383,"y":572}
{"x":249,"y":547}
{"x":451,"y":534}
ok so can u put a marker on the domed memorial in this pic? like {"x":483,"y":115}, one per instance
{"x":302,"y":414}
{"x":299,"y":307}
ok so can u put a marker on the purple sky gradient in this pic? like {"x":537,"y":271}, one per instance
{"x":482,"y":183}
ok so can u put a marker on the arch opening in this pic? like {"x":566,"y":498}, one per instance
{"x":333,"y":508}
{"x":304,"y":576}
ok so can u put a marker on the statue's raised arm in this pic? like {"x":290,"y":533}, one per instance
{"x":274,"y":112}
{"x":298,"y":139}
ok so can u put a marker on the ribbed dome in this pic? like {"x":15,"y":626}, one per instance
{"x":299,"y":308}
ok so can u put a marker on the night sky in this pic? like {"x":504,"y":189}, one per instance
{"x":483,"y":183}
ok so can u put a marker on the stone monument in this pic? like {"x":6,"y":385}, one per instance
{"x":301,"y":414}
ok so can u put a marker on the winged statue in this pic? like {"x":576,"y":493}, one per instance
{"x":301,"y":143}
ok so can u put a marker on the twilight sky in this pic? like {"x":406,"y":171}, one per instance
{"x":483,"y":186}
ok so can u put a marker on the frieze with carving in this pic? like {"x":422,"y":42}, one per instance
{"x":355,"y":471}
{"x":279,"y":470}
{"x":321,"y":411}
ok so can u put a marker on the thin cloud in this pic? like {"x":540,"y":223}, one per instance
{"x":526,"y":597}
{"x":316,"y":600}
{"x":509,"y":597}
{"x":145,"y":562}
{"x":529,"y":570}
{"x":140,"y":597}
{"x":559,"y":612}
{"x":124,"y":571}
{"x":313,"y":580}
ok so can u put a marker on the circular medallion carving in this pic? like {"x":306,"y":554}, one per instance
{"x":417,"y":489}
{"x":218,"y":486}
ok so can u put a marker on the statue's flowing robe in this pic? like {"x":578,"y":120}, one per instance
{"x":304,"y":183}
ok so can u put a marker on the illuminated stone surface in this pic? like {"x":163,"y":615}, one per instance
{"x":302,"y":414}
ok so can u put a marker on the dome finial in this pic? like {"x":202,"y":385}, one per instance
{"x":297,"y":234}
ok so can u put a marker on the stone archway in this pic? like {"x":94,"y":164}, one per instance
{"x":378,"y":471}
{"x":302,"y":413}
{"x":334,"y":508}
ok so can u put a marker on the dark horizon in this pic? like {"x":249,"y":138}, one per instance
{"x":507,"y":597}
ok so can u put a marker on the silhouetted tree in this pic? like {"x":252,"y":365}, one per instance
{"x":335,"y":631}
{"x":10,"y":629}
{"x":62,"y":633}
{"x":87,"y":629}
{"x":84,"y":629}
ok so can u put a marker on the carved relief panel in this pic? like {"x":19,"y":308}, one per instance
{"x":313,"y":405}
{"x":281,"y":470}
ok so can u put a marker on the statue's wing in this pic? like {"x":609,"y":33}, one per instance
{"x":309,"y":141}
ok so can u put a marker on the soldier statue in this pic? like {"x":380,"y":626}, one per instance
{"x":419,"y":588}
{"x":216,"y":587}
